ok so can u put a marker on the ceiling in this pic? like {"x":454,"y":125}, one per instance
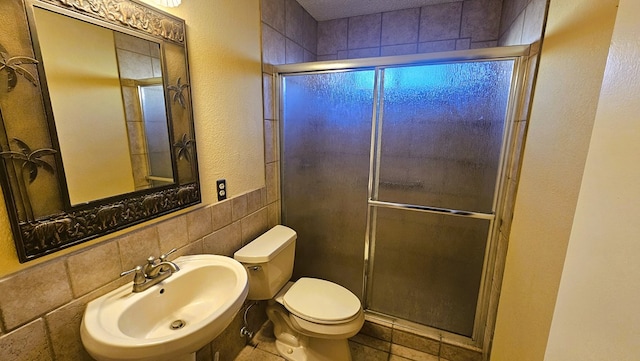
{"x":334,"y":9}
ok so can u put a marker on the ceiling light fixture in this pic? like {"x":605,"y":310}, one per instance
{"x":168,"y":3}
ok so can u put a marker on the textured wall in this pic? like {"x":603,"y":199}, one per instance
{"x":596,"y":310}
{"x":570,"y":76}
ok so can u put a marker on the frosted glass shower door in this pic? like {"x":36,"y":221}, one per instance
{"x":438,"y":161}
{"x":326,"y":141}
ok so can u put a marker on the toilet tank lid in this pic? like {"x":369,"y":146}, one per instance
{"x":267,"y":246}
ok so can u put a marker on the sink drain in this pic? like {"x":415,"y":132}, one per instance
{"x":177,"y":324}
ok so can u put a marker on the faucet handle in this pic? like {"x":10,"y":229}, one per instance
{"x":163,"y":257}
{"x":138,"y":278}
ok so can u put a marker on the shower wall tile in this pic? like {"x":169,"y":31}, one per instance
{"x":327,"y":57}
{"x":403,"y":49}
{"x":270,"y":141}
{"x":364,"y":31}
{"x":309,"y":56}
{"x":273,"y":182}
{"x":310,"y":33}
{"x":435,"y":46}
{"x":483,"y":44}
{"x":173,"y":233}
{"x":267,"y":96}
{"x":400,"y":27}
{"x":273,"y":14}
{"x":28,"y":295}
{"x":294,"y":21}
{"x":294,"y":53}
{"x":27,"y":343}
{"x":522,"y":21}
{"x":511,"y":9}
{"x":462,"y":44}
{"x":288,"y":31}
{"x":481,"y":20}
{"x":440,"y":22}
{"x":84,"y":274}
{"x":332,"y":36}
{"x":273,"y":210}
{"x":273,"y":46}
{"x":533,"y":21}
{"x":513,"y":36}
{"x":363,"y":53}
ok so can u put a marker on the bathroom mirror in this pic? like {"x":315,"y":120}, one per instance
{"x":96,"y":127}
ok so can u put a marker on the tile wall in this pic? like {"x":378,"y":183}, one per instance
{"x":441,"y":27}
{"x":522,"y":21}
{"x":289,"y":33}
{"x":41,"y":307}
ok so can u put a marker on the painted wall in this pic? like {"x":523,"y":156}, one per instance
{"x":224,"y":58}
{"x":596,"y":316}
{"x":573,"y":57}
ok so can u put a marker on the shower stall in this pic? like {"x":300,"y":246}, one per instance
{"x":392,"y":172}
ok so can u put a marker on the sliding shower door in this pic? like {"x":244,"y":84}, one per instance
{"x":325,"y":143}
{"x":390,"y":176}
{"x":441,"y":133}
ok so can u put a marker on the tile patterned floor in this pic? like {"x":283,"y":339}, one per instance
{"x":363,"y":348}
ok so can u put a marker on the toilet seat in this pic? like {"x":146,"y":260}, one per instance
{"x":321,"y":302}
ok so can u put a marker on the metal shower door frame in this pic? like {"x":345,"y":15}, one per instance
{"x":519,"y":56}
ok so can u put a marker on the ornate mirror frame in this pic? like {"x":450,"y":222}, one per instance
{"x":42,"y":217}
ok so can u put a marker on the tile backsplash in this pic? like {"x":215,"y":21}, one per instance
{"x":41,"y":307}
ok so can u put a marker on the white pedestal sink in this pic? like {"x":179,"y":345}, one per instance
{"x":171,"y":320}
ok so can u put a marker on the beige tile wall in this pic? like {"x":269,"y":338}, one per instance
{"x":522,"y":21}
{"x":441,"y":27}
{"x":289,"y":33}
{"x":41,"y":307}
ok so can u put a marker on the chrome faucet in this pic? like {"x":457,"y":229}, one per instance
{"x":155,"y":271}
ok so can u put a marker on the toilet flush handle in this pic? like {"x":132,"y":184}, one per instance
{"x":254,"y":268}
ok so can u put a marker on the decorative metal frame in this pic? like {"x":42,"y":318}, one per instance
{"x":41,"y":216}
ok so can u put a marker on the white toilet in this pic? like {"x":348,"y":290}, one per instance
{"x":312,"y":318}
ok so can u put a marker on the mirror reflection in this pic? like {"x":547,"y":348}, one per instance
{"x":108,"y":103}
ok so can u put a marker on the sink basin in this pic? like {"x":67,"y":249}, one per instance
{"x":170,"y":320}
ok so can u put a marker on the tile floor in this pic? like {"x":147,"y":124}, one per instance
{"x":363,"y":348}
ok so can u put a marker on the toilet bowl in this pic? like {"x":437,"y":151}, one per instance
{"x":312,"y":318}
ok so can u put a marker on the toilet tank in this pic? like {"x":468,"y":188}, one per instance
{"x":268,"y":260}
